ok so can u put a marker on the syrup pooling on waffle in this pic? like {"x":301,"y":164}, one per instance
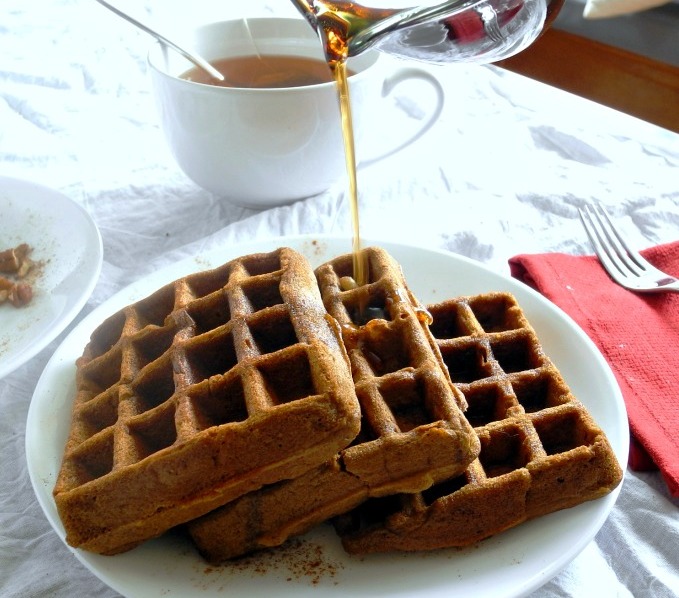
{"x":392,"y":349}
{"x":540,"y":449}
{"x":214,"y":385}
{"x":399,"y":375}
{"x":413,"y":432}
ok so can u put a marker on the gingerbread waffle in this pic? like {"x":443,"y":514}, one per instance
{"x":540,"y":449}
{"x":213,"y":386}
{"x":413,"y":432}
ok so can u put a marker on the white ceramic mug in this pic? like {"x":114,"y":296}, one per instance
{"x":265,"y":147}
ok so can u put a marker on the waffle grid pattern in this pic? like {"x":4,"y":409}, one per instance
{"x":413,"y":431}
{"x":540,"y":449}
{"x":210,"y":387}
{"x":398,"y":372}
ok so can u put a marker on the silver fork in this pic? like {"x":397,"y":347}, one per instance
{"x":624,"y":265}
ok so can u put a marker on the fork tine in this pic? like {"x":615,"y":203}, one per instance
{"x":634,"y":256}
{"x":605,"y":257}
{"x":624,"y":265}
{"x":616,"y":241}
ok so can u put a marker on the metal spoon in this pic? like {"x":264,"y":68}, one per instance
{"x":197,"y":60}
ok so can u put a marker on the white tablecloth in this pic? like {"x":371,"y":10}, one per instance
{"x":500,"y":174}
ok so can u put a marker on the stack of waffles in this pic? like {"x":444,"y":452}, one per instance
{"x":540,"y":449}
{"x":215,"y":385}
{"x":413,"y":433}
{"x":257,"y":400}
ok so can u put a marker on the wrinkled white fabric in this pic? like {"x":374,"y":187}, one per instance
{"x":501,"y":173}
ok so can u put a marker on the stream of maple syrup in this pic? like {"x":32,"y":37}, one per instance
{"x":360,"y":265}
{"x":335,"y":24}
{"x":338,"y":21}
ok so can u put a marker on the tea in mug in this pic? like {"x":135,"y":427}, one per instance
{"x":265,"y":71}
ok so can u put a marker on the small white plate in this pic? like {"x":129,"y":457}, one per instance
{"x":67,"y":245}
{"x":513,"y":563}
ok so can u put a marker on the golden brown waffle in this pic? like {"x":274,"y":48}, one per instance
{"x":413,"y":431}
{"x":540,"y":449}
{"x":211,"y":387}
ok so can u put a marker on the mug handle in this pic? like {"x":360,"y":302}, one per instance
{"x":388,"y":86}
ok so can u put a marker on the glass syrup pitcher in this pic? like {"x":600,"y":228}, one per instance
{"x":479,"y":31}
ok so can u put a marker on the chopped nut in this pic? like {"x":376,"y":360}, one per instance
{"x":11,"y":260}
{"x":21,"y":294}
{"x":25,"y":268}
{"x":15,"y":262}
{"x":17,"y":293}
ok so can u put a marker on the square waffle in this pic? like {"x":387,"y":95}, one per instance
{"x":540,"y":449}
{"x":413,"y":432}
{"x":214,"y":385}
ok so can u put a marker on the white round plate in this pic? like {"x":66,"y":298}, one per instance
{"x":67,"y":245}
{"x":513,"y":563}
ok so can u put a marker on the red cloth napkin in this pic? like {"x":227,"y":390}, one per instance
{"x":638,"y":334}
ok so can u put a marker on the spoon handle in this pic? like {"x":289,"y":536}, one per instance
{"x":197,"y":60}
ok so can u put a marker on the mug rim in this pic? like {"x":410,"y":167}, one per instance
{"x":371,"y":55}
